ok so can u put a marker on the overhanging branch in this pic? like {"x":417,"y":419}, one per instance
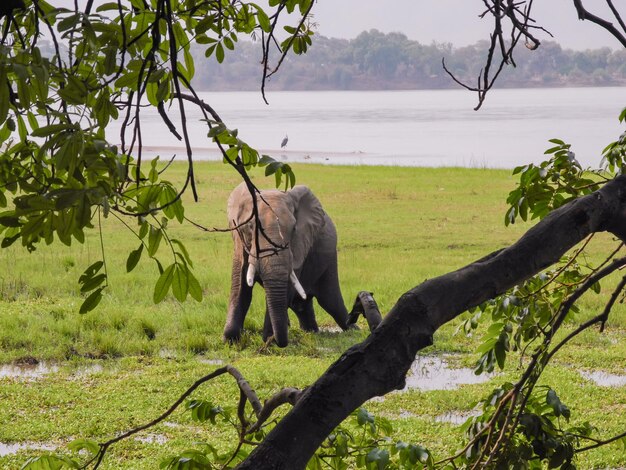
{"x":380,"y":363}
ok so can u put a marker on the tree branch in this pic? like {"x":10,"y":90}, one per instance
{"x":583,"y":14}
{"x":262,"y":412}
{"x":379,"y":364}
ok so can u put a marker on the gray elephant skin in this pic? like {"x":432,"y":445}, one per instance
{"x":302,"y":267}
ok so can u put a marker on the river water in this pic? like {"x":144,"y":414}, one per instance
{"x":408,"y":128}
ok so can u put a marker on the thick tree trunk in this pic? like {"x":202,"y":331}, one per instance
{"x":379,"y":364}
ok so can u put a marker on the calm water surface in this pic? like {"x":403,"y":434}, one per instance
{"x":415,"y":128}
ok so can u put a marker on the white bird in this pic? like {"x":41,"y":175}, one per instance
{"x":284,"y":142}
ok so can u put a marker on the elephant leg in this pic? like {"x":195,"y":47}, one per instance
{"x":305,"y":313}
{"x":239,"y":305}
{"x":240,"y":297}
{"x":267,"y":327}
{"x":328,"y":294}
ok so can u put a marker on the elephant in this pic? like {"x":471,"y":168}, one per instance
{"x":293,"y":256}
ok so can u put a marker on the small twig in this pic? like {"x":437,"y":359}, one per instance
{"x":247,"y":394}
{"x":170,"y":125}
{"x":181,"y":106}
{"x":104,"y":446}
{"x":569,"y":302}
{"x":563,"y":268}
{"x":286,"y":395}
{"x":601,"y":443}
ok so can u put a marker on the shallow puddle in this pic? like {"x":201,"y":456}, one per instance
{"x":168,"y":353}
{"x":404,"y":414}
{"x":152,"y":439}
{"x":604,"y":379}
{"x":37,"y":371}
{"x":454,"y":417}
{"x":10,"y":449}
{"x":434,"y":373}
{"x":82,"y":371}
{"x":330,"y":329}
{"x":211,"y":362}
{"x":27,"y":371}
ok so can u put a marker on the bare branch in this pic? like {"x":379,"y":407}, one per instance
{"x":584,"y":14}
{"x":247,"y":394}
{"x":286,"y":395}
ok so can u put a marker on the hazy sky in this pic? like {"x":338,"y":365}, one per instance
{"x":455,"y":21}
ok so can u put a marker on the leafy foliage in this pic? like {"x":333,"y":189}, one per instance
{"x":363,"y":441}
{"x":549,"y":185}
{"x":520,"y":317}
{"x":61,"y":174}
{"x":524,"y":425}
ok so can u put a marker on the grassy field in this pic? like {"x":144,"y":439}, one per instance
{"x":124,"y":363}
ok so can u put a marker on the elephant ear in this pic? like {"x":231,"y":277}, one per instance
{"x":310,"y":219}
{"x":239,"y":205}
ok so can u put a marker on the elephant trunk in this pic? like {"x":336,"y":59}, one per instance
{"x":276,"y":297}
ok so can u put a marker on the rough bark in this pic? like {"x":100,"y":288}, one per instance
{"x":380,"y":363}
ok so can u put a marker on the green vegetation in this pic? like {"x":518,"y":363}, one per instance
{"x":378,"y":61}
{"x":397,"y":227}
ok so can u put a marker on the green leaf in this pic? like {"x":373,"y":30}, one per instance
{"x":263,"y":19}
{"x":91,"y":301}
{"x":143,"y":229}
{"x":87,"y":444}
{"x":4,"y":96}
{"x":315,"y":463}
{"x":163,"y":284}
{"x":69,"y":22}
{"x":91,"y":271}
{"x":107,"y":6}
{"x":188,"y":460}
{"x":180,"y":283}
{"x":500,"y":352}
{"x":219,"y":52}
{"x":364,"y":417}
{"x":194,"y":287}
{"x":378,"y":456}
{"x":50,"y":462}
{"x":92,"y":282}
{"x":183,"y":250}
{"x":21,"y":128}
{"x":154,"y":239}
{"x":229,"y":43}
{"x":189,"y":62}
{"x":133,"y":258}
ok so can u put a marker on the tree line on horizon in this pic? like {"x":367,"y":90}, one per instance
{"x":390,"y":61}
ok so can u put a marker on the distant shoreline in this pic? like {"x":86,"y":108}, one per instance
{"x":365,"y":63}
{"x":502,"y":85}
{"x":165,"y":153}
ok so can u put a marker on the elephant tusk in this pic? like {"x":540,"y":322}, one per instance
{"x":250,"y":274}
{"x":297,"y":285}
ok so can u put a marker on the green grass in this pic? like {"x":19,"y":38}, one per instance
{"x":397,"y":227}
